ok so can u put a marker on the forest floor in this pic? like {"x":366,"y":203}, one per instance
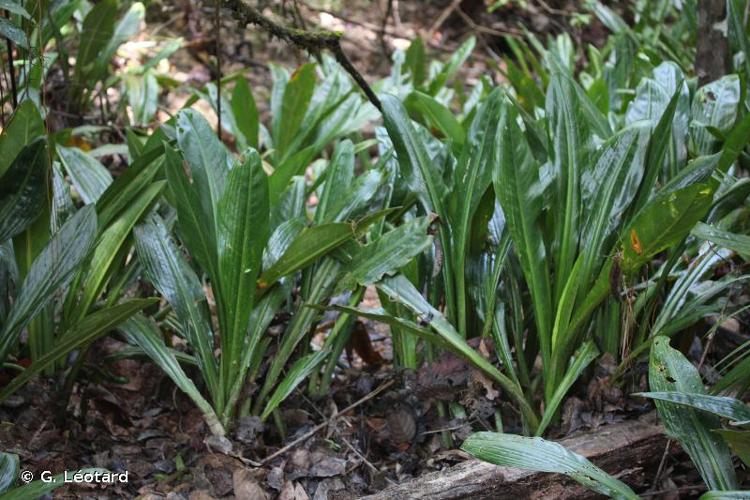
{"x":134,"y":419}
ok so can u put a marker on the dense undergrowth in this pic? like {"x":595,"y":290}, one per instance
{"x":593,"y":202}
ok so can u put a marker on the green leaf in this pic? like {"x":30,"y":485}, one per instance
{"x":735,"y":144}
{"x":299,"y":371}
{"x":517,"y":187}
{"x":89,"y":177}
{"x":294,"y":104}
{"x":13,"y":7}
{"x":8,"y":470}
{"x":146,"y":334}
{"x":714,"y":106}
{"x":545,"y":456}
{"x":129,"y":184}
{"x":415,"y":61}
{"x":670,"y":371}
{"x":98,"y":28}
{"x":167,"y":270}
{"x":109,"y":246}
{"x":417,"y":167}
{"x":207,"y":157}
{"x":128,"y":25}
{"x":725,"y":495}
{"x":608,"y":191}
{"x":24,"y":189}
{"x":585,"y":355}
{"x":24,"y":126}
{"x":738,"y":441}
{"x":243,"y":214}
{"x":473,"y":177}
{"x":737,"y":242}
{"x":437,"y":116}
{"x":389,"y":253}
{"x":245,"y":112}
{"x":452,"y":66}
{"x":571,"y":151}
{"x":52,"y":268}
{"x":663,"y":222}
{"x":89,"y":329}
{"x":15,"y":34}
{"x":311,"y":244}
{"x":722,"y":406}
{"x":195,"y":226}
{"x":143,"y":96}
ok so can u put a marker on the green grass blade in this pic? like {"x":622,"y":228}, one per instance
{"x":299,"y":371}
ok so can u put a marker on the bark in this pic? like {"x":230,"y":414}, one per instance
{"x":629,"y":450}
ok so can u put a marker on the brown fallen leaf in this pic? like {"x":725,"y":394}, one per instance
{"x":246,"y":485}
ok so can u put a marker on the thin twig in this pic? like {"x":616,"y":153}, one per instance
{"x":328,"y":422}
{"x":384,"y":26}
{"x":484,"y":29}
{"x":313,"y":42}
{"x":442,"y":18}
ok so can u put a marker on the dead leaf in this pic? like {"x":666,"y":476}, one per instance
{"x":246,"y":485}
{"x":293,"y":491}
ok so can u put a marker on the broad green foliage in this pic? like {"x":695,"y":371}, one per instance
{"x":580,"y":207}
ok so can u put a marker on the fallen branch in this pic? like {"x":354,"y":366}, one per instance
{"x":313,"y":42}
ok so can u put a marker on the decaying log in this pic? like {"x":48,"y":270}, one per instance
{"x":629,"y":450}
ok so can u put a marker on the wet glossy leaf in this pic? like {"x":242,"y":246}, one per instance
{"x":52,"y":268}
{"x":670,"y":371}
{"x":544,"y":456}
{"x":24,"y":189}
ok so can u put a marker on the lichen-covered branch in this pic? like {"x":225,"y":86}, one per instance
{"x":313,"y":42}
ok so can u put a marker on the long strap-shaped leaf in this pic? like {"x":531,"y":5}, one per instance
{"x":731,"y":408}
{"x":168,"y":271}
{"x":669,"y":370}
{"x":89,"y":329}
{"x":209,"y":160}
{"x":400,"y":289}
{"x":516,"y":181}
{"x":473,"y":177}
{"x":109,"y":245}
{"x":52,"y":268}
{"x":23,"y":189}
{"x":544,"y":456}
{"x":146,"y":334}
{"x":243,"y":224}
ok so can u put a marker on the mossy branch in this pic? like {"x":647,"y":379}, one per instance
{"x":313,"y":42}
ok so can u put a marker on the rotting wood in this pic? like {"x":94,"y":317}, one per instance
{"x":629,"y":450}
